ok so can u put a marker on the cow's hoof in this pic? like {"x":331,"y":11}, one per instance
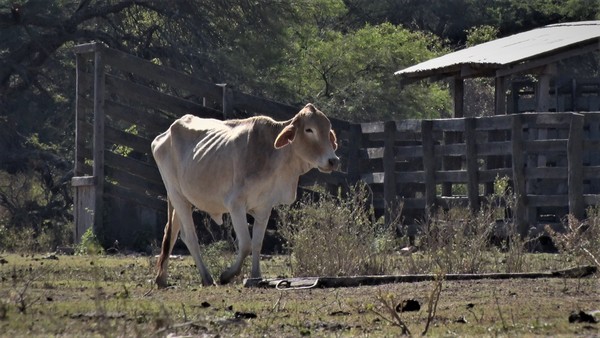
{"x":161,"y":282}
{"x":209,"y":282}
{"x":225,"y":278}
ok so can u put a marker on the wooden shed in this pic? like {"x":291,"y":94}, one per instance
{"x":533,"y":71}
{"x":534,"y":52}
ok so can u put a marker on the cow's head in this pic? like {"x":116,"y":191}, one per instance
{"x":312,"y":138}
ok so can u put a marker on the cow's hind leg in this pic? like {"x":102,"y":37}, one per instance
{"x":188,"y":235}
{"x":171,"y":231}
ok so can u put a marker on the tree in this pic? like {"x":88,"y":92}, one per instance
{"x":350,"y":74}
{"x":37,"y":75}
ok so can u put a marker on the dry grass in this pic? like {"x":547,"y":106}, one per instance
{"x":112,"y":296}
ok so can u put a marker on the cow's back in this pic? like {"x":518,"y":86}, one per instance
{"x":206,"y":160}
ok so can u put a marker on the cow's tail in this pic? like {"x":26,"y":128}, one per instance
{"x":165,"y":251}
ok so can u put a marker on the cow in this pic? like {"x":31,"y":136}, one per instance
{"x":240,"y":167}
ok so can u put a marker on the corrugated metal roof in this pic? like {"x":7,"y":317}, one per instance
{"x":511,"y":49}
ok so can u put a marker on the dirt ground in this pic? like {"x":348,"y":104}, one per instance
{"x":114,"y":296}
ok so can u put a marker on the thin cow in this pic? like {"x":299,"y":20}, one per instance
{"x":238,"y":167}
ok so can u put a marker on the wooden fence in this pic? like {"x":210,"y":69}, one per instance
{"x":123,"y":102}
{"x":552,"y":161}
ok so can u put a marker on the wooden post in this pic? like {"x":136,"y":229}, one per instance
{"x":494,"y":162}
{"x":428,"y":165}
{"x":78,"y":168}
{"x":227,"y":101}
{"x":472,"y":167}
{"x":98,"y":169}
{"x":575,"y":160}
{"x":459,"y":94}
{"x":354,"y":145}
{"x":389,"y":169}
{"x":518,"y":167}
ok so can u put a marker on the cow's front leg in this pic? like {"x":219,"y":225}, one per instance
{"x":240,"y":226}
{"x":258,"y":234}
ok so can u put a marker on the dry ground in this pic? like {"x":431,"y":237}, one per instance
{"x":113,"y":296}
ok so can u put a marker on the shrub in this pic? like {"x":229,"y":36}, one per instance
{"x":336,"y":235}
{"x":89,"y":245}
{"x":581,"y":239}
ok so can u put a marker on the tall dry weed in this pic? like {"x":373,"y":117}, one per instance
{"x":336,"y":235}
{"x":581,"y":239}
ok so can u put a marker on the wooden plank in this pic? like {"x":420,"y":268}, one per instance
{"x":87,"y":47}
{"x":79,"y":114}
{"x":408,"y":126}
{"x":546,"y":173}
{"x":152,"y":202}
{"x":372,"y":127}
{"x":493,"y":123}
{"x":134,"y":166}
{"x":548,"y":200}
{"x":591,"y":200}
{"x":98,"y":143}
{"x":259,"y":106}
{"x":490,"y":175}
{"x":575,"y":160}
{"x":428,"y":164}
{"x":139,"y":184}
{"x":519,"y":180}
{"x":471,"y":162}
{"x":137,"y":143}
{"x":446,"y":125}
{"x":389,"y":169}
{"x":83,"y":209}
{"x":449,"y":202}
{"x":545,"y":146}
{"x":494,"y":148}
{"x":409,"y":152}
{"x":355,"y":281}
{"x":374,"y":153}
{"x":410,"y":177}
{"x":117,"y":137}
{"x":162,"y":74}
{"x":591,"y":172}
{"x":541,"y":119}
{"x":151,"y":123}
{"x":451,"y":176}
{"x":83,"y":181}
{"x":151,"y":98}
{"x":457,"y":149}
{"x":373,"y":178}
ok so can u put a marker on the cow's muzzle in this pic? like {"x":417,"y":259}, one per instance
{"x":333,"y":163}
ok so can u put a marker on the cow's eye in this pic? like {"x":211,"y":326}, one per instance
{"x":308,"y":130}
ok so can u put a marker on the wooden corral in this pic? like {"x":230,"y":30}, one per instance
{"x":123,"y":102}
{"x":552,"y":160}
{"x":403,"y":161}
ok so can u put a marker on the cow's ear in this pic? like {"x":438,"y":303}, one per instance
{"x":285,"y":137}
{"x":333,"y":139}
